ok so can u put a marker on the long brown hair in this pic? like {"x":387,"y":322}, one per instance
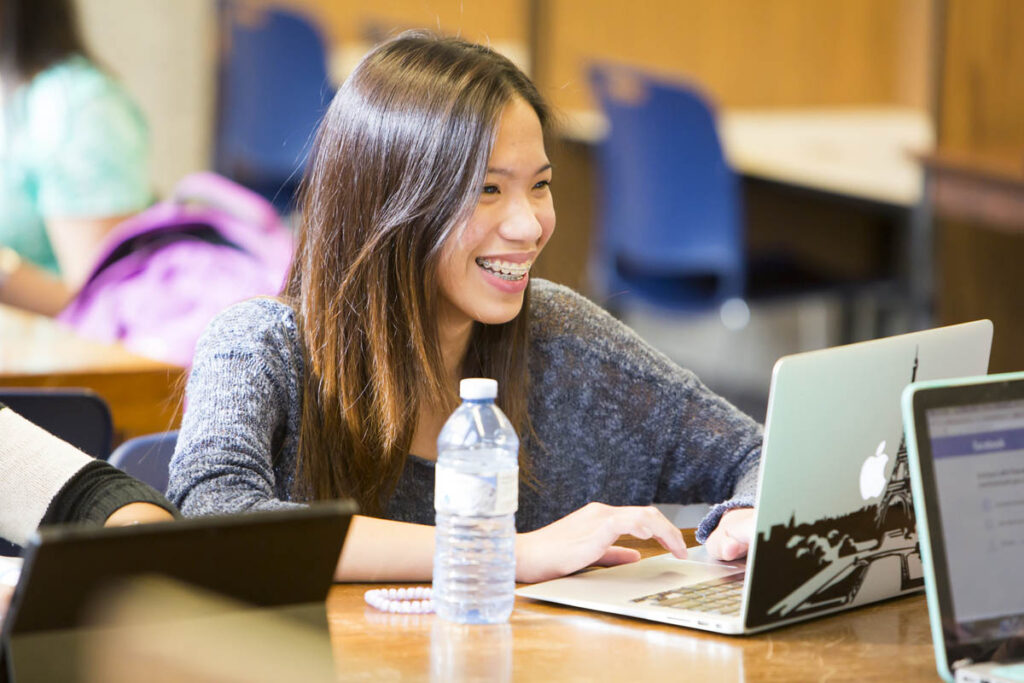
{"x":396,"y":169}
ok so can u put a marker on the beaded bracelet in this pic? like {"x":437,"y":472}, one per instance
{"x":412,"y":600}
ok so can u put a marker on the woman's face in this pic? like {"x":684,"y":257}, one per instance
{"x":485,"y":266}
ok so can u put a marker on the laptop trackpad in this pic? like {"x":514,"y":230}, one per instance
{"x":629,"y":581}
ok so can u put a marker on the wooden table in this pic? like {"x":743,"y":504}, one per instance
{"x":143,"y":394}
{"x":983,"y":187}
{"x":888,"y":641}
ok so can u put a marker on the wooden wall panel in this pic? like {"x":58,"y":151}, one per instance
{"x":982,"y":92}
{"x":982,"y":112}
{"x":353,"y":26}
{"x":500,"y":20}
{"x":747,"y":53}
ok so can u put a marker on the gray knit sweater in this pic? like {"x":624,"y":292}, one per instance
{"x":620,"y":423}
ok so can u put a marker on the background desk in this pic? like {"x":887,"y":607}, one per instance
{"x":889,"y":641}
{"x":38,"y":352}
{"x":984,"y":187}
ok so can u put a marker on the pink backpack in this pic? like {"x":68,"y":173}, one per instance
{"x":163,"y":274}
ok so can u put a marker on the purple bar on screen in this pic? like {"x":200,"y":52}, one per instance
{"x":978,"y":444}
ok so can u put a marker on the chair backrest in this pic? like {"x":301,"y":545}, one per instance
{"x":670,"y":203}
{"x":147,"y":458}
{"x":79,"y":416}
{"x":272,"y":91}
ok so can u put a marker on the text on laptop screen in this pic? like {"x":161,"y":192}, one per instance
{"x":978,"y":451}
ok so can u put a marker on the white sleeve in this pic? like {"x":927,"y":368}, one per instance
{"x":34,"y":467}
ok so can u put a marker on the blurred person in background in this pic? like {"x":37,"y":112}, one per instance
{"x":74,"y":153}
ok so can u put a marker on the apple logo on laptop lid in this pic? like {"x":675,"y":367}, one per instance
{"x":872,"y":473}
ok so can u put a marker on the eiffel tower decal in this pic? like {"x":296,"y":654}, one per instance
{"x":897,"y":491}
{"x":824,"y":563}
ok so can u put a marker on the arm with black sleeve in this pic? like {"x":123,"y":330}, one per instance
{"x":44,"y":480}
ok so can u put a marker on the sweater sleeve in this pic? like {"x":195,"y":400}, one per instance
{"x":242,"y":407}
{"x":34,"y":467}
{"x":97,"y":491}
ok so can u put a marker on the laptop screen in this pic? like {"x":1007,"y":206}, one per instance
{"x":978,"y":457}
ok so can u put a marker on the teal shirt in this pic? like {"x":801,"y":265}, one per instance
{"x":72,"y":144}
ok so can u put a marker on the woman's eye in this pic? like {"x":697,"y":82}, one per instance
{"x":542,"y":184}
{"x":490,"y":189}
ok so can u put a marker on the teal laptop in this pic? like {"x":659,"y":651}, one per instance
{"x":965,"y":441}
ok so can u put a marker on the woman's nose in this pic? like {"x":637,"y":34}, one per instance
{"x":522,"y":223}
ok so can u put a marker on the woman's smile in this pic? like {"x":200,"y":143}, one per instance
{"x":504,"y":269}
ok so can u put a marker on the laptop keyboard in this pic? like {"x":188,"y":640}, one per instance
{"x":718,"y":596}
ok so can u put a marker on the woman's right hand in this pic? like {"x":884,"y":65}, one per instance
{"x":587,"y":537}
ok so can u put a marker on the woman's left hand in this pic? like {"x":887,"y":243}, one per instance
{"x":731,"y":538}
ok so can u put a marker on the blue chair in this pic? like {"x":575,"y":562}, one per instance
{"x":147,"y":458}
{"x":272,"y":91}
{"x":671,"y":226}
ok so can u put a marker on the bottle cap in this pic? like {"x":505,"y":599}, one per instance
{"x":476,"y":388}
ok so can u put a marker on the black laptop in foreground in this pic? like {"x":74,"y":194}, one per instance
{"x":279,"y":562}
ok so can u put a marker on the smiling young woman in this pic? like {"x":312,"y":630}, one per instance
{"x":427,"y":200}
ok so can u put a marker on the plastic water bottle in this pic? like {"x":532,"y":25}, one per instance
{"x":476,"y":493}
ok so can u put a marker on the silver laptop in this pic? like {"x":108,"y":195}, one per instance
{"x":835,"y":520}
{"x":965,"y":440}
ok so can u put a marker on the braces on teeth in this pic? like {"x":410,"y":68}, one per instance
{"x":506,"y":271}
